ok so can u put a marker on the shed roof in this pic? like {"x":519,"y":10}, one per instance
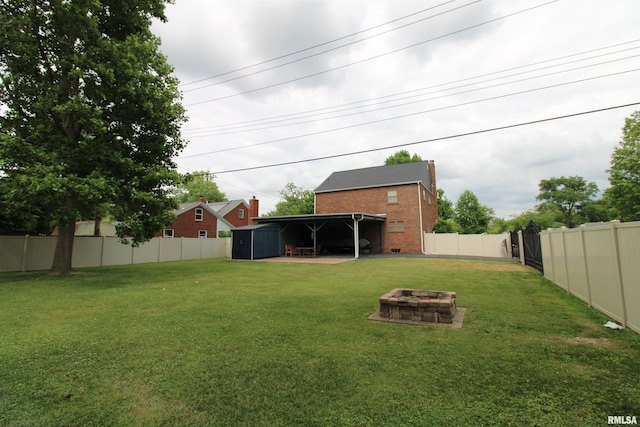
{"x":378,"y":176}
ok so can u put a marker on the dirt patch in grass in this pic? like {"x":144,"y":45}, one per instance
{"x":597,"y":342}
{"x":476,"y":265}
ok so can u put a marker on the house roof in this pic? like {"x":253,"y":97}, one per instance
{"x":223,"y":208}
{"x":185,"y":207}
{"x":378,"y":176}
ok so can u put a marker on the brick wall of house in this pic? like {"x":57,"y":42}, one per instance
{"x":185,"y":224}
{"x":375,"y":201}
{"x":233,"y":216}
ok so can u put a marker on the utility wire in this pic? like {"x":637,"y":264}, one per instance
{"x":328,"y":50}
{"x":371,"y":58}
{"x":272,"y":125}
{"x":321,"y":44}
{"x":407,"y":144}
{"x":272,"y":118}
{"x":411,"y":114}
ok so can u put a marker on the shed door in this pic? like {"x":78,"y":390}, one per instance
{"x":241,"y":248}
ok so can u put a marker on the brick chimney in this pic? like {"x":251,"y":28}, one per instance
{"x":253,"y":209}
{"x":432,"y":170}
{"x":201,"y":199}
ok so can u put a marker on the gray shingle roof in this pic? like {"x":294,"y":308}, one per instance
{"x":378,"y":176}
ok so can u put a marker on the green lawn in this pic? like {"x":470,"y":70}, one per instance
{"x":225,"y":343}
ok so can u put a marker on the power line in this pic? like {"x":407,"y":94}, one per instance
{"x":272,"y":125}
{"x":428,"y":140}
{"x":411,"y":114}
{"x":328,"y":50}
{"x":323,"y":44}
{"x":371,"y":58}
{"x":267,"y":119}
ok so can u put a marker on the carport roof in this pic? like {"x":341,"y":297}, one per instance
{"x":345,"y":216}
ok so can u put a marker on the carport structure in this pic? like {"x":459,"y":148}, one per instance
{"x":332,"y":233}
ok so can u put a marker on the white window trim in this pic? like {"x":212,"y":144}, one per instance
{"x":392,"y":196}
{"x":199,"y":213}
{"x":168,"y":233}
{"x":200,"y":232}
{"x":241,"y":213}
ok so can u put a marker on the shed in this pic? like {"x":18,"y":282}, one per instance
{"x":256,"y":241}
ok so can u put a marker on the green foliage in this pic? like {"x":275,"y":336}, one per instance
{"x":471,"y":216}
{"x":568,"y":194}
{"x":402,"y":156}
{"x":542,"y":216}
{"x":202,"y":343}
{"x":624,"y":175}
{"x":294,"y":201}
{"x":445,"y":206}
{"x":446,"y":226}
{"x":199,"y":183}
{"x":90,"y":118}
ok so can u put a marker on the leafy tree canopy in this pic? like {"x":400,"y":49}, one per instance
{"x":294,"y":201}
{"x":89,"y":116}
{"x":402,"y":156}
{"x":567,"y":194}
{"x":624,"y":175}
{"x":445,"y":206}
{"x":196,"y":184}
{"x":471,"y":216}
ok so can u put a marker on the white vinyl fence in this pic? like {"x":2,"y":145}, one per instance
{"x":480,"y":245}
{"x":600,"y":264}
{"x":26,"y":253}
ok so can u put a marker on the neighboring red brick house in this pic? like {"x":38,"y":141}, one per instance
{"x":405,"y":193}
{"x":194,"y":219}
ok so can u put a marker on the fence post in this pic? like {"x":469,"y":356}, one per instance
{"x":586,"y":268}
{"x":102,"y":252}
{"x":24,"y":253}
{"x":553,"y":266}
{"x":521,"y":247}
{"x":616,"y":251}
{"x":566,"y":264}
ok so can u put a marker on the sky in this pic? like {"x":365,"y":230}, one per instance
{"x":280,"y":91}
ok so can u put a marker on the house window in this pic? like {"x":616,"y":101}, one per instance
{"x":241,"y":213}
{"x":202,"y":234}
{"x":168,"y":232}
{"x":199,"y":214}
{"x":396,"y":226}
{"x":392,"y":196}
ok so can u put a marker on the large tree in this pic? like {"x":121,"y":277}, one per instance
{"x":294,"y":201}
{"x":624,"y":175}
{"x":197,"y":184}
{"x":471,"y":216}
{"x":567,"y":194}
{"x":402,"y":156}
{"x":90,"y":115}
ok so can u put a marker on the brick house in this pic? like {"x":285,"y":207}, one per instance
{"x":193,"y":219}
{"x":234,"y":213}
{"x":405,"y":193}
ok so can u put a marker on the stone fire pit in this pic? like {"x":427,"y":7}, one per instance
{"x":419,"y":307}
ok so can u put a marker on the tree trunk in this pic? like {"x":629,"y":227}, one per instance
{"x":64,"y":249}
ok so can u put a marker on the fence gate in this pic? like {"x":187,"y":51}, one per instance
{"x":531,"y":244}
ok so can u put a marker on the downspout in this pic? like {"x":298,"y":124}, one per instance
{"x":420,"y":213}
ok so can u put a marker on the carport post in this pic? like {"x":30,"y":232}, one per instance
{"x":356,"y":236}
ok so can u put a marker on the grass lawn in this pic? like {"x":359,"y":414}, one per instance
{"x":225,"y":343}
